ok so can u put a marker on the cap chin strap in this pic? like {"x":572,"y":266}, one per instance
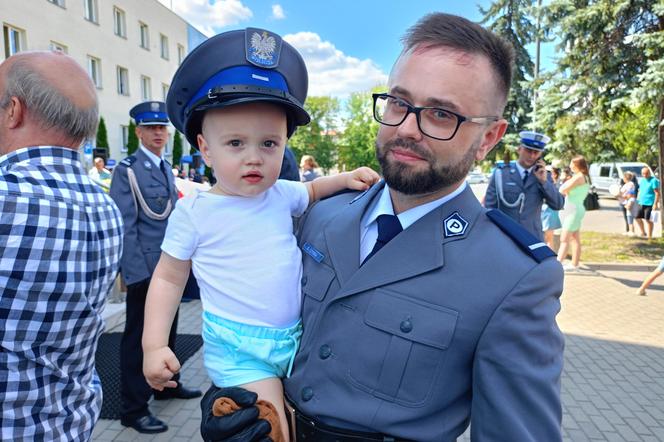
{"x":501,"y":196}
{"x":139,"y":200}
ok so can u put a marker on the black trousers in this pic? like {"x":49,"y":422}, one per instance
{"x":134,"y":390}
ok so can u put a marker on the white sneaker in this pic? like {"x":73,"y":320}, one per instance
{"x":569,"y":268}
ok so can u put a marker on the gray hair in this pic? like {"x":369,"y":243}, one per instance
{"x":50,"y":107}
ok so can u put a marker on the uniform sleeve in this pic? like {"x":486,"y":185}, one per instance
{"x":132,"y":264}
{"x":490,"y":201}
{"x":297,"y":195}
{"x":552,"y":197}
{"x":181,"y":237}
{"x":518,"y":363}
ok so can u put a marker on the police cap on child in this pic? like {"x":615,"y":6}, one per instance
{"x":235,"y":67}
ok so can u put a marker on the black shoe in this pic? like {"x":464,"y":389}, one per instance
{"x":145,"y":424}
{"x":179,"y":392}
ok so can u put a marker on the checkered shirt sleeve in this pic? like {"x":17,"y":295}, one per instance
{"x":61,"y":239}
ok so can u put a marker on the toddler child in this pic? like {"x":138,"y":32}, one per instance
{"x":238,"y":236}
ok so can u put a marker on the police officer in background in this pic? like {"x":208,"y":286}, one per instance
{"x":422,"y":311}
{"x":143,"y":188}
{"x":519,"y":189}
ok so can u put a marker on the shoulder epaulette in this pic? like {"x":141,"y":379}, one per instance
{"x":532,"y":246}
{"x":128,"y":161}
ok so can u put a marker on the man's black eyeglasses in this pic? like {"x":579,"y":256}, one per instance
{"x":434,"y":122}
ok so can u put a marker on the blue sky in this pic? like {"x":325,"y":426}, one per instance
{"x":348,"y":45}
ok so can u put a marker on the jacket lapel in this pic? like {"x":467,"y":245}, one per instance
{"x":155,"y":170}
{"x":416,"y":250}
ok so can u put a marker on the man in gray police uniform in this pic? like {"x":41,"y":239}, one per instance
{"x":519,"y":190}
{"x":144,"y":189}
{"x":418,"y":324}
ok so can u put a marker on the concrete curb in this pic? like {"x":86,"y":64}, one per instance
{"x":599,"y":266}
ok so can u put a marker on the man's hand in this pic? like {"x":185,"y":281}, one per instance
{"x":240,"y":426}
{"x":540,"y":171}
{"x":159,"y":367}
{"x":361,"y":178}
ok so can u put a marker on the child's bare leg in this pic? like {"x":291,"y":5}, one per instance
{"x":272,"y":390}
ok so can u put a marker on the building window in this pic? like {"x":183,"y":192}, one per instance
{"x":146,"y":88}
{"x":55,"y":46}
{"x":60,"y":3}
{"x":123,"y":81}
{"x":164,"y":46}
{"x":91,"y":10}
{"x":180,"y":54}
{"x":119,"y":22}
{"x":14,"y":40}
{"x":164,"y":91}
{"x":124,"y":137}
{"x":145,"y":35}
{"x":94,"y":69}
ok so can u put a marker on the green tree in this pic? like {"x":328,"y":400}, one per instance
{"x":357,"y":147}
{"x":102,"y":135}
{"x":512,"y":19}
{"x":318,"y":137}
{"x":177,"y":147}
{"x":132,"y":139}
{"x":611,"y":63}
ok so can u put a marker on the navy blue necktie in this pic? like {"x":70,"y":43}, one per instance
{"x":388,"y":227}
{"x":162,"y":166}
{"x":525,"y":176}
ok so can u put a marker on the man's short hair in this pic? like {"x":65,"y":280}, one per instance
{"x":46,"y":104}
{"x":452,"y":31}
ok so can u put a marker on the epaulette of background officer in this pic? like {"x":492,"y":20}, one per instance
{"x":128,"y":161}
{"x":532,"y":246}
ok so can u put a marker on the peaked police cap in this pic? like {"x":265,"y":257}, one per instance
{"x":235,"y":67}
{"x":149,"y":113}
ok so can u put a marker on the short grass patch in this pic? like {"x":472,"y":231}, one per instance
{"x":609,"y":247}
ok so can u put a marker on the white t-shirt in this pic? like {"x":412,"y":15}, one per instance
{"x":243,"y":251}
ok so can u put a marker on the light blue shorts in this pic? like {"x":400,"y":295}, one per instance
{"x":660,"y":267}
{"x":236,"y":353}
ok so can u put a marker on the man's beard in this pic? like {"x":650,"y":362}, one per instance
{"x":401,"y":178}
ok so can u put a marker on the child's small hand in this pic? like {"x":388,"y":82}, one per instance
{"x":159,"y":367}
{"x":361,"y":178}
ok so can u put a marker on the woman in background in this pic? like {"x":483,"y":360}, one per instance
{"x":575,"y":190}
{"x":308,"y":165}
{"x":550,"y":217}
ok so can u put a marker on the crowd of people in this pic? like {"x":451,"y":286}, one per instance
{"x":338,"y":327}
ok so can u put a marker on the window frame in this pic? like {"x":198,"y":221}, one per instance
{"x":119,"y":71}
{"x":19,"y":41}
{"x":144,"y":37}
{"x":119,"y":17}
{"x":124,"y":138}
{"x":165,"y":53}
{"x":181,"y":54}
{"x":91,"y":11}
{"x":55,"y":46}
{"x":96,"y":80}
{"x":146,"y":86}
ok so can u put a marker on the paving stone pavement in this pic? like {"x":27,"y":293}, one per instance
{"x":613,"y":380}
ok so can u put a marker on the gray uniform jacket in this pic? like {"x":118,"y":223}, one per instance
{"x":143,"y":235}
{"x":433,"y":332}
{"x":529,"y":215}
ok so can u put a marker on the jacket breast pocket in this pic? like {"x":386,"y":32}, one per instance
{"x":403,"y":347}
{"x":156,"y":197}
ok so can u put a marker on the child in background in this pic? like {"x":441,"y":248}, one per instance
{"x":627,"y":198}
{"x":238,"y":237}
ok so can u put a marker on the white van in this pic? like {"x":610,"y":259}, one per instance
{"x":606,"y":175}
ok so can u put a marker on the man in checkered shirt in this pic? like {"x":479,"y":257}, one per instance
{"x":61,"y":240}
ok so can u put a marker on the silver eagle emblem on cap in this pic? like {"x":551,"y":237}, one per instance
{"x":154,"y":107}
{"x":263,"y":45}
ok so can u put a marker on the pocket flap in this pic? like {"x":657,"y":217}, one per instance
{"x":316,"y":280}
{"x":411,"y":319}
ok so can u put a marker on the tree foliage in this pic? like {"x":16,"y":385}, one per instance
{"x":318,"y":137}
{"x":610,"y":68}
{"x":513,"y":20}
{"x":102,"y":134}
{"x":357,"y":144}
{"x":177,"y":147}
{"x":132,"y":139}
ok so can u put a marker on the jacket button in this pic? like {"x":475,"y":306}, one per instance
{"x":307,"y":393}
{"x":406,"y":326}
{"x":304,"y":280}
{"x":324,"y":351}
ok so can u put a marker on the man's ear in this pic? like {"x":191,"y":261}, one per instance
{"x":15,"y":114}
{"x":490,"y":138}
